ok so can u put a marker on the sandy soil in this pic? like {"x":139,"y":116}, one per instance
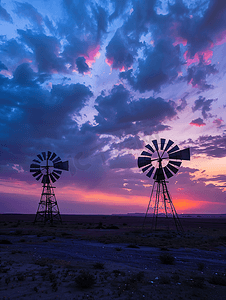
{"x":111,"y":257}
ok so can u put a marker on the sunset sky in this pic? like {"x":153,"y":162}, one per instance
{"x":94,"y":82}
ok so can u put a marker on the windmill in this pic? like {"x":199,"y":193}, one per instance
{"x":48,"y":168}
{"x":162,"y":160}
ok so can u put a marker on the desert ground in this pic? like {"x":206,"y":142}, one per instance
{"x":112,"y":257}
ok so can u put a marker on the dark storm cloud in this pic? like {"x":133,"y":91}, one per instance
{"x":82,"y":66}
{"x":183,"y":104}
{"x":219,"y":123}
{"x":142,"y":16}
{"x":119,"y":52}
{"x":12,"y":52}
{"x":214,"y":146}
{"x":78,"y":13}
{"x":197,"y":75}
{"x":46,"y":50}
{"x":76,"y":48}
{"x":204,"y":105}
{"x":123,"y":162}
{"x":101,"y":21}
{"x":4,"y":15}
{"x":132,"y":142}
{"x":183,"y":24}
{"x":218,"y":178}
{"x":2,"y":66}
{"x":160,"y":66}
{"x":26,"y":10}
{"x":118,"y":114}
{"x":204,"y":27}
{"x":32,"y":118}
{"x":86,"y":16}
{"x":119,"y":8}
{"x":24,"y":75}
{"x":198,"y":122}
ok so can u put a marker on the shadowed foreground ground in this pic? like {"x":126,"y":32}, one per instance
{"x":110,"y":257}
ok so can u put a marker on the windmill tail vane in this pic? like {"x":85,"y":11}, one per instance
{"x":48,"y":168}
{"x":161,"y":161}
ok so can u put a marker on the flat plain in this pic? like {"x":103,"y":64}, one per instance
{"x":112,"y":257}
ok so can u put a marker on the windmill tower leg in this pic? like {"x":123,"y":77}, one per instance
{"x":168,"y":200}
{"x":161,"y":194}
{"x":48,"y":210}
{"x":156,"y":207}
{"x":152,"y":191}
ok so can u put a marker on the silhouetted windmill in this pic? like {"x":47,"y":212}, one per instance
{"x":163,"y":161}
{"x":48,"y":209}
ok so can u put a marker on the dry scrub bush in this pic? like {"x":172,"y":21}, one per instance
{"x":167,"y":259}
{"x":85,"y":280}
{"x":98,"y":265}
{"x":218,"y":279}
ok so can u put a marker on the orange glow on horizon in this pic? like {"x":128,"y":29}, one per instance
{"x":135,"y":203}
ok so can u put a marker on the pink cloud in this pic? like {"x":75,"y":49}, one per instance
{"x":221,"y":38}
{"x":218,"y":122}
{"x":197,"y":122}
{"x":180,"y":40}
{"x":93,"y":54}
{"x":205,"y":55}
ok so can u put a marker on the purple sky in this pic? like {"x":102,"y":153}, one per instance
{"x":95,"y":81}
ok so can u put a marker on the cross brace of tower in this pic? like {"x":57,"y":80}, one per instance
{"x":48,"y":210}
{"x":160,"y":195}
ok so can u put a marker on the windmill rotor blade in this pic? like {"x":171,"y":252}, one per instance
{"x":53,"y":156}
{"x":58,"y":172}
{"x":34,"y":170}
{"x":34,"y":166}
{"x":150,"y":172}
{"x":162,"y":143}
{"x":44,"y":155}
{"x":40,"y":157}
{"x":37,"y":161}
{"x":175,"y":148}
{"x":62,"y":165}
{"x":167,"y":172}
{"x":146,"y":168}
{"x":45,"y":179}
{"x":37,"y":178}
{"x":150,"y":148}
{"x":55,"y":175}
{"x":146,"y":153}
{"x":49,"y":154}
{"x":155,"y":142}
{"x":176,"y":163}
{"x":182,"y":154}
{"x":172,"y":168}
{"x":57,"y":159}
{"x":143,"y":161}
{"x":159,"y":175}
{"x":37,"y":173}
{"x":52,"y":178}
{"x":169,"y":144}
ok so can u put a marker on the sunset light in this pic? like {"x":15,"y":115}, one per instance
{"x":166,"y":81}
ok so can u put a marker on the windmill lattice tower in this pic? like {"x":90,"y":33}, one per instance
{"x":162,"y":160}
{"x":48,"y":167}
